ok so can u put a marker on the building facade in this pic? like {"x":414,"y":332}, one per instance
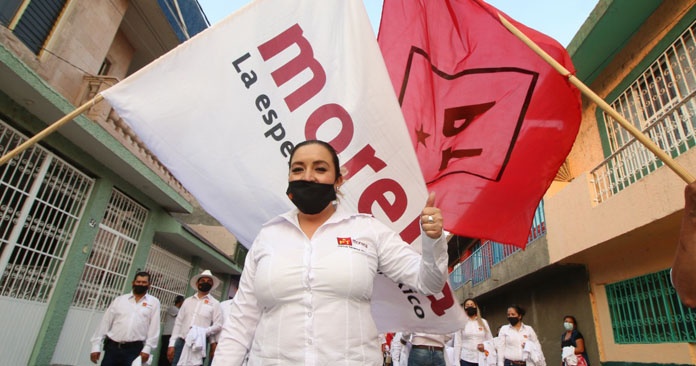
{"x":612,"y":217}
{"x":88,"y":206}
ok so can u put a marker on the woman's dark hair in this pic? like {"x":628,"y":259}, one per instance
{"x":575,"y":322}
{"x":334,"y":154}
{"x":518,"y":309}
{"x":470,"y":299}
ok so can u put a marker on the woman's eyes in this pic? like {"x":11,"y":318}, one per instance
{"x":320,"y":169}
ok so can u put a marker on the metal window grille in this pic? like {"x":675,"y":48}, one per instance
{"x":217,"y":293}
{"x":647,"y":309}
{"x":660,"y":103}
{"x":169,"y":276}
{"x":41,"y":201}
{"x":477,"y":267}
{"x":105,"y":274}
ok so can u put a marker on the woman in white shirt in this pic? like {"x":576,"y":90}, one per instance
{"x":514,"y":337}
{"x":304,"y":295}
{"x":468,"y":341}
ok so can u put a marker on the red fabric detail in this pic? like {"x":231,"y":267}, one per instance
{"x":490,"y":120}
{"x":344,"y":241}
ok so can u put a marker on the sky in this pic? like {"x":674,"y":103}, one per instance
{"x":559,"y":19}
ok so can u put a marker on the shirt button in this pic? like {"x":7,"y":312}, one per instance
{"x":309,"y":341}
{"x":309,"y":314}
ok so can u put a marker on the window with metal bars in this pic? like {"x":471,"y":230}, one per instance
{"x":169,"y":276}
{"x":647,"y":309}
{"x":660,"y":103}
{"x":664,"y":91}
{"x":105,"y":274}
{"x":41,"y":201}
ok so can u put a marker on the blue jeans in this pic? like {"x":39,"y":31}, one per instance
{"x":115,"y":354}
{"x":178,"y":347}
{"x":424,"y":357}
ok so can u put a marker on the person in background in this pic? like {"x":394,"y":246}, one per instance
{"x":573,"y":337}
{"x":468,"y":341}
{"x":130,"y":326}
{"x":400,"y":349}
{"x":304,"y":295}
{"x":514,"y":338}
{"x":427,"y":349}
{"x":169,"y":319}
{"x":385,"y":340}
{"x":199,"y":317}
{"x":683,"y":272}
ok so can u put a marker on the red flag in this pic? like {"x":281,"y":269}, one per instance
{"x":490,"y":120}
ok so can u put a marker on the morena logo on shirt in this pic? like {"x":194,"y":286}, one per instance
{"x":345,"y":241}
{"x":144,"y":304}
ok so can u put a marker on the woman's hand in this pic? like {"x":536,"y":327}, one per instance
{"x":431,"y":218}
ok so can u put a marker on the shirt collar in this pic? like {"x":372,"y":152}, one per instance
{"x":132,"y":296}
{"x":205,"y":297}
{"x":342,"y":212}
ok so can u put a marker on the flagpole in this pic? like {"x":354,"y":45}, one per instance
{"x":685,"y":175}
{"x":48,"y":130}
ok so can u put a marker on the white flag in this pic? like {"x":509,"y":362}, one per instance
{"x":223,"y":110}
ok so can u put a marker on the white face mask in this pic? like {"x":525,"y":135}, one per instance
{"x":568,"y":326}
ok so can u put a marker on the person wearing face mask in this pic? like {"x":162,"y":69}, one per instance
{"x":516,"y":340}
{"x":199,"y":318}
{"x":469,"y":341}
{"x":573,"y":337}
{"x":304,"y":295}
{"x":130,"y":326}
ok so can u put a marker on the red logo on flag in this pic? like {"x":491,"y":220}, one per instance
{"x":491,"y":122}
{"x":458,"y":138}
{"x":345,"y":241}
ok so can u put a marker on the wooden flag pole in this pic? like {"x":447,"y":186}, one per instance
{"x":685,"y":175}
{"x":48,"y":130}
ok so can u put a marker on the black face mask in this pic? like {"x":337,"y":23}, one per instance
{"x":513,"y":321}
{"x":310,"y":197}
{"x":470,"y":311}
{"x":204,"y":287}
{"x":139,"y":289}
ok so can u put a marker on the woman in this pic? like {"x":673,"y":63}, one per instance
{"x":573,"y":337}
{"x":468,"y":341}
{"x":518,"y":341}
{"x":304,"y":294}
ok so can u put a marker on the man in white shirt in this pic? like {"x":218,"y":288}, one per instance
{"x":427,"y":349}
{"x":199,"y":310}
{"x":169,"y":319}
{"x":130,"y":326}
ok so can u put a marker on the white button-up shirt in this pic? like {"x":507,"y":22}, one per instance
{"x":425,"y":339}
{"x":203,"y":312}
{"x":467,"y":339}
{"x":129,"y":321}
{"x":306,"y":301}
{"x":512,"y":342}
